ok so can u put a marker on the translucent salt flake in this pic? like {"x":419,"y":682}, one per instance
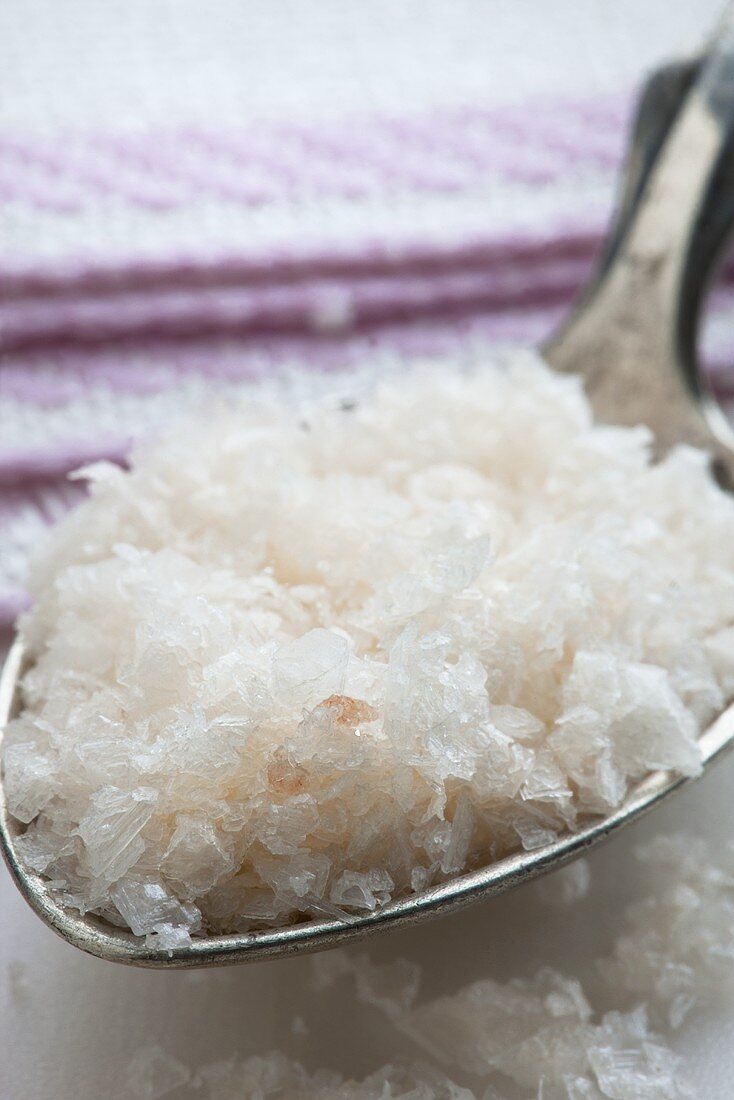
{"x":153,"y":1074}
{"x":111,"y":829}
{"x":541,"y":1034}
{"x":480,"y":1027}
{"x":299,"y":1028}
{"x":362,"y":891}
{"x":580,"y":1088}
{"x":195,"y":857}
{"x":147,"y":904}
{"x":310,"y":668}
{"x":391,"y":987}
{"x":328,"y":966}
{"x":630,"y":1065}
{"x":26,"y":773}
{"x":278,"y":1076}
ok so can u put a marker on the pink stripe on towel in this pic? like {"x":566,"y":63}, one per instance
{"x":138,"y":266}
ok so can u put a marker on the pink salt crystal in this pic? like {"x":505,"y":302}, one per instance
{"x":350,"y":712}
{"x":285,"y":777}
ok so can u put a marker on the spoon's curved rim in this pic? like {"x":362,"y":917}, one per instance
{"x":96,"y":937}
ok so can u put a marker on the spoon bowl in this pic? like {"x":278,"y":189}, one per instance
{"x":632,"y":339}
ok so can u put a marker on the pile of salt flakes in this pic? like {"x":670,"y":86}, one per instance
{"x":314,"y":651}
{"x":541,"y":1037}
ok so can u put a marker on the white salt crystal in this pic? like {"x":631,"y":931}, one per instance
{"x":311,"y":668}
{"x":299,"y":1028}
{"x":362,"y":891}
{"x":26,"y":774}
{"x":538,"y":1038}
{"x":146,"y":904}
{"x":153,"y":1074}
{"x":676,"y":946}
{"x":281,"y":673}
{"x":195,"y":858}
{"x":541,"y":1034}
{"x":278,"y":1076}
{"x":19,"y":983}
{"x":111,"y":830}
{"x":483,"y":1026}
{"x":629,"y":1065}
{"x":391,"y":987}
{"x":567,"y":885}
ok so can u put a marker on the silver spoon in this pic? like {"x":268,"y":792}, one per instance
{"x":633,"y":340}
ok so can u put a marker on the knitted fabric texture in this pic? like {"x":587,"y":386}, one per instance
{"x":140,"y":271}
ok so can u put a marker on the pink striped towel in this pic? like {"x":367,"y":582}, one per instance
{"x":141,"y":269}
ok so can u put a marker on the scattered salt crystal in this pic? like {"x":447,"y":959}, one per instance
{"x":539,"y":1037}
{"x":567,"y":885}
{"x":676,"y":946}
{"x":278,"y":673}
{"x":278,"y":1076}
{"x":328,"y":966}
{"x":629,"y":1064}
{"x":541,"y":1034}
{"x":391,"y":987}
{"x":299,"y":1027}
{"x":483,"y":1027}
{"x":153,"y":1074}
{"x":19,"y":983}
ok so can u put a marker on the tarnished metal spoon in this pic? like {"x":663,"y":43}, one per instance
{"x":633,"y":339}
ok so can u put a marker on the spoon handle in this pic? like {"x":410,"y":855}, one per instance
{"x":633,"y":336}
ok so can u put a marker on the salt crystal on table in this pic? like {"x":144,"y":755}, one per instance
{"x":153,"y":1074}
{"x":277,"y":674}
{"x":567,"y":885}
